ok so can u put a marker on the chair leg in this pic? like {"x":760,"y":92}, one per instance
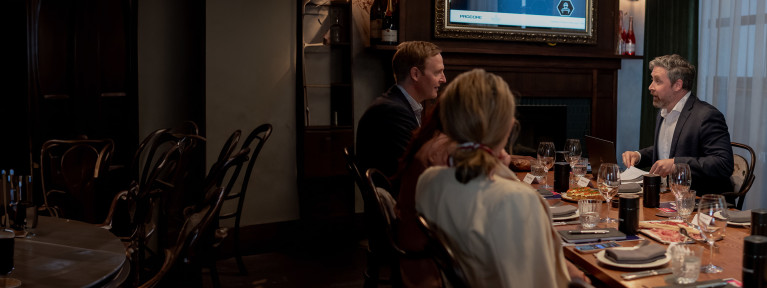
{"x":371,"y":270}
{"x":214,"y":274}
{"x":237,"y":253}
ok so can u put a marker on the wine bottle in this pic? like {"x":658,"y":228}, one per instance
{"x":389,"y":28}
{"x":376,"y":19}
{"x":621,"y":46}
{"x":631,"y":41}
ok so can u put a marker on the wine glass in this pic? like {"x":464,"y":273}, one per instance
{"x":546,"y":153}
{"x":572,"y":152}
{"x":608,"y":181}
{"x":681,"y":178}
{"x":712,"y":227}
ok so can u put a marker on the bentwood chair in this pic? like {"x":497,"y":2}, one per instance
{"x":375,"y":256}
{"x":161,"y":165}
{"x":742,"y":176}
{"x":72,"y":173}
{"x":440,"y":251}
{"x":385,"y":220}
{"x":254,"y":142}
{"x":191,"y":250}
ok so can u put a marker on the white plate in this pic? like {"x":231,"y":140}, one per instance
{"x":601,"y":258}
{"x":576,"y":215}
{"x":718,"y":215}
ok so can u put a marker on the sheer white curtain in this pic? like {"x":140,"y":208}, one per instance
{"x":731,"y":76}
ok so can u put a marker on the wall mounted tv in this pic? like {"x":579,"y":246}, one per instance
{"x":551,"y":21}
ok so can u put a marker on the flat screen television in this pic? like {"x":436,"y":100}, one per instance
{"x":551,"y":21}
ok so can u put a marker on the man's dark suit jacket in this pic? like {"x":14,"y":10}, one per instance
{"x":384,"y":132}
{"x":701,"y":140}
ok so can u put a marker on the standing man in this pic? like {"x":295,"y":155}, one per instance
{"x":386,"y":127}
{"x":688,"y":130}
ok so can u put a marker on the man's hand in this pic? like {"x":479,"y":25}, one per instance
{"x":663,"y":167}
{"x":630,"y":158}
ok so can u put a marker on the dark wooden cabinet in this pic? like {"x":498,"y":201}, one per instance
{"x":324,"y":115}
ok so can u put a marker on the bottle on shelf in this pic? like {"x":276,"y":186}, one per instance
{"x":389,"y":26}
{"x":336,"y":31}
{"x":376,"y":20}
{"x":631,"y":41}
{"x":621,"y":46}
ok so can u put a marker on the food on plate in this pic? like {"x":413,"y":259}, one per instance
{"x":583,"y":193}
{"x":668,"y":231}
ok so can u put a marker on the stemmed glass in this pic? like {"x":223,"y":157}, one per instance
{"x":712,"y":227}
{"x":572,"y":152}
{"x":681,"y":179}
{"x":685,"y":203}
{"x":608,"y":181}
{"x":546,"y":153}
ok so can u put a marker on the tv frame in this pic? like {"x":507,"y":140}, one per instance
{"x":444,"y":29}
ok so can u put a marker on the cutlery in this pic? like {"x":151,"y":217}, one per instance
{"x":684,"y":233}
{"x":642,"y":274}
{"x":566,"y":223}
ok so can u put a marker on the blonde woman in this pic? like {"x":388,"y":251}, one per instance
{"x":499,"y":227}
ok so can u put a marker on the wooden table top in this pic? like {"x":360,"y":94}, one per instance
{"x":68,"y":253}
{"x":729,"y":256}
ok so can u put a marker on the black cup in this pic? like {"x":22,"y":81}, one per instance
{"x":759,"y":222}
{"x":628,"y":214}
{"x":754,"y":261}
{"x":561,"y":176}
{"x":6,"y":251}
{"x":651,"y":190}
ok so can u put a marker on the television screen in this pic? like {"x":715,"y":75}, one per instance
{"x":569,"y":21}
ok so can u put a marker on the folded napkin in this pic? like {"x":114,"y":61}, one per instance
{"x":562,"y":211}
{"x":645,"y":254}
{"x":629,"y":188}
{"x":545,"y":192}
{"x":739,"y":216}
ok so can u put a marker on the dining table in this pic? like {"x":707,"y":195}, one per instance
{"x":67,"y":253}
{"x":729,"y":255}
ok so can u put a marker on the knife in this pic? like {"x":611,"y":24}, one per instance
{"x":642,"y":274}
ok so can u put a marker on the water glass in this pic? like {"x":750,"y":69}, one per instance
{"x":538,"y":170}
{"x":579,"y":169}
{"x":685,"y":203}
{"x":589,"y":212}
{"x":685,"y":262}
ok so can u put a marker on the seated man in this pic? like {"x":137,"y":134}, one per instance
{"x":386,"y":127}
{"x":688,"y":130}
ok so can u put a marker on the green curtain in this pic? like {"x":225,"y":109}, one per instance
{"x":671,"y":27}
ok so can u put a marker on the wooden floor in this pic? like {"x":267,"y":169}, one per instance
{"x":295,"y":268}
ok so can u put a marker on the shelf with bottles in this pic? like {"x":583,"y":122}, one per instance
{"x":384,"y":24}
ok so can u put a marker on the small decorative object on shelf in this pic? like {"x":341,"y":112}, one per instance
{"x":390,"y":26}
{"x":630,"y":39}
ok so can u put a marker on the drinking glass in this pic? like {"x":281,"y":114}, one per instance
{"x":26,"y":211}
{"x":546,"y":153}
{"x":608,"y":181}
{"x":538,"y":170}
{"x":579,"y":169}
{"x":685,"y":203}
{"x":588,"y":209}
{"x":685,"y":262}
{"x":572,"y":152}
{"x":712,"y":227}
{"x":679,"y":181}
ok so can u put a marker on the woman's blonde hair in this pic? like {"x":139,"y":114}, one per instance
{"x":476,"y":107}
